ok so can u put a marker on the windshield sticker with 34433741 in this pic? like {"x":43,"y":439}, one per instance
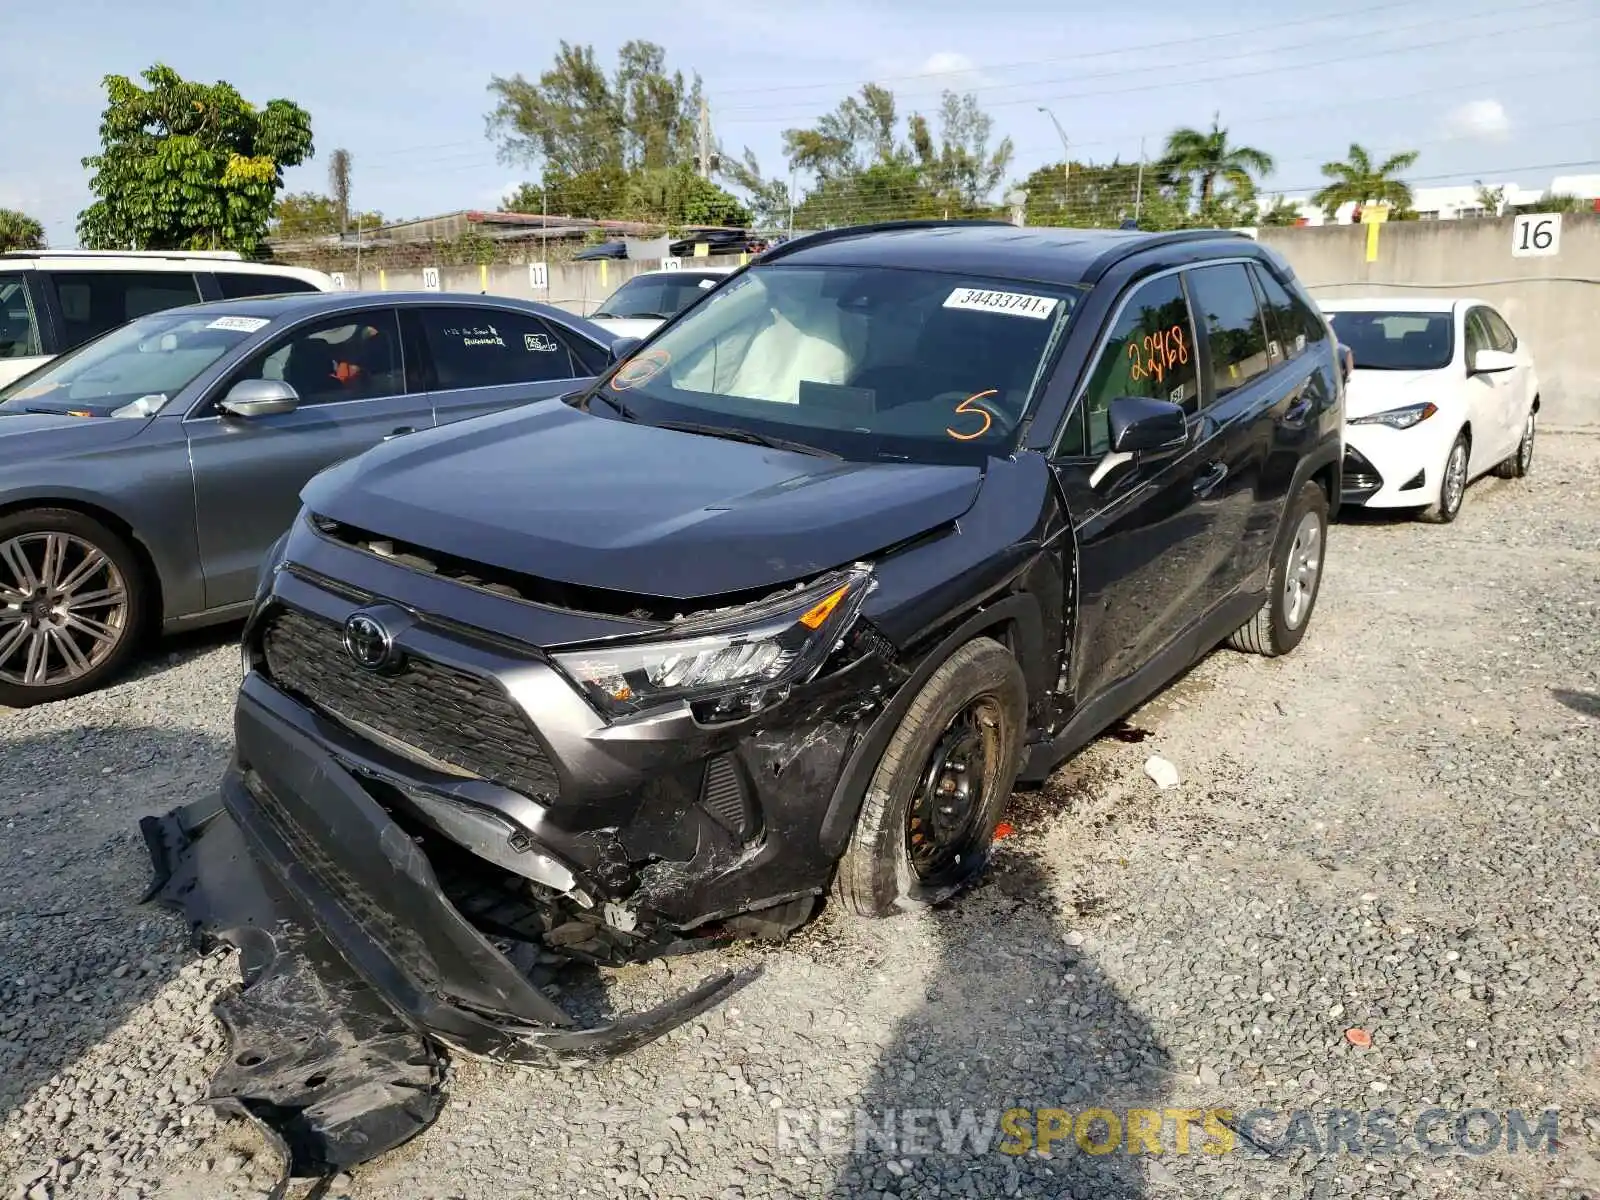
{"x":1011,"y":304}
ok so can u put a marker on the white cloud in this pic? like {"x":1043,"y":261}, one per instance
{"x":1479,"y":120}
{"x":952,"y":68}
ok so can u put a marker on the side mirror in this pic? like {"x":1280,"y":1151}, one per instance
{"x":1148,"y":427}
{"x":259,"y":398}
{"x":623,"y":347}
{"x":1490,"y":362}
{"x":1347,"y":361}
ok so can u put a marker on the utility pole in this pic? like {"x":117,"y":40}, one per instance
{"x":1138,"y":187}
{"x":705,"y":139}
{"x":1066,"y":150}
{"x":791,"y":200}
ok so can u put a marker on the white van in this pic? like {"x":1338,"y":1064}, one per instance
{"x":54,"y":300}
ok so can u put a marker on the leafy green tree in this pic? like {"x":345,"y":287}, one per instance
{"x":575,"y":119}
{"x":309,"y":214}
{"x":1357,"y":180}
{"x":1557,"y":202}
{"x":768,"y":198}
{"x":1207,"y":156}
{"x":188,"y":166}
{"x":598,"y":194}
{"x":960,"y":169}
{"x":1282,"y":212}
{"x":19,"y":231}
{"x":1091,"y":196}
{"x":858,"y":134}
{"x":884,"y":191}
{"x":677,"y":196}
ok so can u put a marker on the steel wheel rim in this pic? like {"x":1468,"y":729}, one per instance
{"x":1525,"y":451}
{"x":943,"y":822}
{"x":1302,"y":569}
{"x":1455,"y":478}
{"x":63,"y":608}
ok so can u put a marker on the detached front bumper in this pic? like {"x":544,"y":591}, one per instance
{"x":355,"y":964}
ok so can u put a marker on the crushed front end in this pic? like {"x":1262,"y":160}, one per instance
{"x":442,"y":786}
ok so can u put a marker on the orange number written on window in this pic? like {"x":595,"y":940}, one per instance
{"x":971,"y":405}
{"x":1156,"y":353}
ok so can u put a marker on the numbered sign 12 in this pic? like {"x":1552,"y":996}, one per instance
{"x":539,"y":277}
{"x":1536,"y":235}
{"x":430,"y":279}
{"x":672,"y":264}
{"x":338,"y":279}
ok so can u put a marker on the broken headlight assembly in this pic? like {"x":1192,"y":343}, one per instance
{"x":727,"y":665}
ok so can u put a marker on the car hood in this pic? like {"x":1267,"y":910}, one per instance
{"x":29,"y":436}
{"x":621,"y":327}
{"x":1370,"y":391}
{"x":564,"y":495}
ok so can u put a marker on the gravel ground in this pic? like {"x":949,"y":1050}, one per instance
{"x":1394,"y":831}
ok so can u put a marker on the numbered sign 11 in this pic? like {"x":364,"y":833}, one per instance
{"x":539,"y":277}
{"x":430,"y":279}
{"x":1536,"y":235}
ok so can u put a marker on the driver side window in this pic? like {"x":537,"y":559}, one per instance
{"x":1150,"y":353}
{"x":334,"y":360}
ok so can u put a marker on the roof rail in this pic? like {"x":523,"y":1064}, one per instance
{"x":1139,"y":245}
{"x":834,"y":235}
{"x":229,"y":255}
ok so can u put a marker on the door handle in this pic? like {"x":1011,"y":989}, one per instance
{"x":1207,"y":483}
{"x":400,"y":432}
{"x":1298,"y":411}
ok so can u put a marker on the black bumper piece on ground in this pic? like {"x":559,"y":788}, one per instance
{"x":357,"y":971}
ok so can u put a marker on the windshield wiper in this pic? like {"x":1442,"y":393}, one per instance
{"x":746,"y":435}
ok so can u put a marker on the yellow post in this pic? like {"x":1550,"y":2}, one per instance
{"x":743,"y":259}
{"x":1373,"y":217}
{"x":603,"y":272}
{"x":483,"y":276}
{"x":383,"y":280}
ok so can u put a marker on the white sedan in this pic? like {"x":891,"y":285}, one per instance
{"x":650,"y":297}
{"x":1443,"y":391}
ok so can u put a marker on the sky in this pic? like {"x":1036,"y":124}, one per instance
{"x":1482,"y":90}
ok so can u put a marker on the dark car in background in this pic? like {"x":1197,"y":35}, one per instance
{"x":144,"y":475}
{"x":787,"y":600}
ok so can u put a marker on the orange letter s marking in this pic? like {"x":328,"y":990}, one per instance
{"x":970,"y":405}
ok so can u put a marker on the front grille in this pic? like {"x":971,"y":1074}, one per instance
{"x":459,"y":718}
{"x":1359,"y":473}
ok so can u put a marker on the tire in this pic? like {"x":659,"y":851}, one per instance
{"x":87,"y":632}
{"x":1452,"y":482}
{"x":1297,"y":567}
{"x":978,"y":692}
{"x":1520,"y":463}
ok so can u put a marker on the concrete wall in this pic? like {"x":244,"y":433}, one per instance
{"x":577,"y":287}
{"x":1552,"y":302}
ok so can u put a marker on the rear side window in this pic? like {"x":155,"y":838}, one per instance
{"x":19,"y":329}
{"x":92,"y":302}
{"x":1500,"y":335}
{"x":1149,"y":353}
{"x":1225,"y":305}
{"x":238,"y":285}
{"x":485,"y":347}
{"x":1290,"y":321}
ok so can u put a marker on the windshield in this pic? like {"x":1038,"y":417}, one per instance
{"x":132,"y":371}
{"x":657,"y":295}
{"x":1396,"y":341}
{"x":864,"y":362}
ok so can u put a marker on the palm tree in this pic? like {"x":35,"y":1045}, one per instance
{"x":1208,"y":156}
{"x":1358,"y":181}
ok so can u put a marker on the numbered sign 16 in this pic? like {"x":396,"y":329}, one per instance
{"x":1535,"y":235}
{"x":430,"y":279}
{"x":672,"y":264}
{"x":338,"y":279}
{"x":539,"y":277}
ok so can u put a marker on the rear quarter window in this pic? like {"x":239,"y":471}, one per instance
{"x":91,"y":302}
{"x":240,"y":285}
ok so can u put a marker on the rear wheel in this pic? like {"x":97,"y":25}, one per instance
{"x":931,"y":809}
{"x":1296,"y":578}
{"x":1453,"y":482}
{"x":1520,"y":463}
{"x":71,"y":605}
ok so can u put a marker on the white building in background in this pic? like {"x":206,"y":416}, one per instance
{"x":1456,"y":202}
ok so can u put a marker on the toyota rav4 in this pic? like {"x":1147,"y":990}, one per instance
{"x":788,"y":600}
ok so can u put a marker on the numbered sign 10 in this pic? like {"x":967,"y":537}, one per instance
{"x":430,"y":279}
{"x":539,"y":277}
{"x":1535,"y":235}
{"x":672,"y":264}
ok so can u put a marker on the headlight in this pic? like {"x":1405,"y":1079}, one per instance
{"x":1398,"y":418}
{"x":729,"y":665}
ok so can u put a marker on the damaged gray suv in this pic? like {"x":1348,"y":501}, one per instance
{"x":786,"y":601}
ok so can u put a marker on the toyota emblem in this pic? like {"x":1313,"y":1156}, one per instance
{"x":368,"y":643}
